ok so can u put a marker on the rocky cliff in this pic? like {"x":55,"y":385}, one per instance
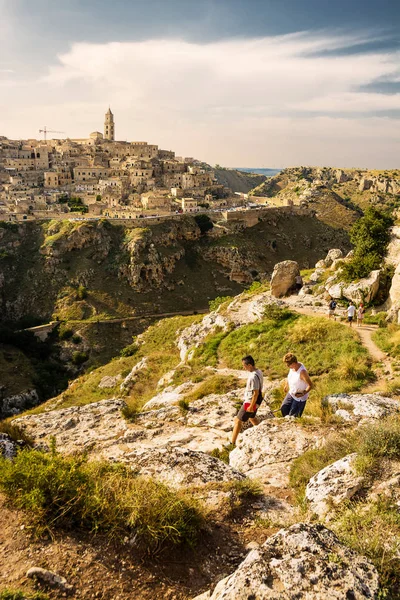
{"x":94,"y":270}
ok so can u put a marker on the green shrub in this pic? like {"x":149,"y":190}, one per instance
{"x":214,"y":304}
{"x":204,"y":222}
{"x":76,"y":339}
{"x":18,"y":595}
{"x":183,"y":405}
{"x":81,"y":293}
{"x":222,"y":453}
{"x":78,"y":358}
{"x":65,"y":333}
{"x":377,"y":319}
{"x":130,"y":350}
{"x":69,"y":492}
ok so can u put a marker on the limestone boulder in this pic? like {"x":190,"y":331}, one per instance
{"x":284,"y":277}
{"x":131,"y":377}
{"x":317,"y":275}
{"x":265,"y":452}
{"x":191,"y":337}
{"x":77,"y":428}
{"x":354,"y":407}
{"x":363,"y":290}
{"x":333,"y":254}
{"x":320,"y":264}
{"x":333,"y":484}
{"x":181,"y":467}
{"x":169,"y":396}
{"x":108,"y":382}
{"x":17,"y":403}
{"x":302,"y":562}
{"x":393,"y":303}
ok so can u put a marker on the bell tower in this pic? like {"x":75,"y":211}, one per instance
{"x":109,"y":127}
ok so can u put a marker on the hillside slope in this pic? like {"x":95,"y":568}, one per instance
{"x":238,"y":181}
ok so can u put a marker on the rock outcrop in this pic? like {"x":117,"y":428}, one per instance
{"x":180,"y":467}
{"x":13,"y":405}
{"x":363,"y":290}
{"x":306,"y":562}
{"x":284,"y":277}
{"x":333,"y":484}
{"x":8,"y":448}
{"x":354,"y":407}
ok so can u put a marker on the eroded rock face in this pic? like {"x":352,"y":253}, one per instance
{"x":284,"y":277}
{"x":13,"y":405}
{"x":354,"y":407}
{"x":303,"y":562}
{"x":333,"y":484}
{"x":180,"y":467}
{"x":195,"y":334}
{"x":78,"y":428}
{"x":130,"y":379}
{"x":265,"y":451}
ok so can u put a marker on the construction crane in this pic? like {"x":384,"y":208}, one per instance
{"x":45,"y":131}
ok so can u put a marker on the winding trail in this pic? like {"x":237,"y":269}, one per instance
{"x":365,"y":334}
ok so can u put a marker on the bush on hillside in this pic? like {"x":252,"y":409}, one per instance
{"x":78,"y":358}
{"x":69,"y":492}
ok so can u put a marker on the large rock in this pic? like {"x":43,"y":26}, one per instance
{"x":130,"y":379}
{"x":303,"y":562}
{"x":354,"y":407}
{"x":265,"y":451}
{"x":333,"y":484}
{"x":13,"y":405}
{"x":284,"y":277}
{"x":333,"y":254}
{"x":191,"y":337}
{"x":363,"y":290}
{"x":77,"y":428}
{"x":180,"y":467}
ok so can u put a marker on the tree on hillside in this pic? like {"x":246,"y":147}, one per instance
{"x":370,"y":237}
{"x":204,"y":222}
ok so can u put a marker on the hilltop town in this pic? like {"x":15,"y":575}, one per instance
{"x":98,"y":175}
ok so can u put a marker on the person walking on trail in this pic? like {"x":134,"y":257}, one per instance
{"x":351,"y":311}
{"x":360,"y":314}
{"x":298,"y":387}
{"x":331,"y":309}
{"x":252,"y":397}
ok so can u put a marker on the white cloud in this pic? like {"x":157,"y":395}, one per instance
{"x":235,"y":102}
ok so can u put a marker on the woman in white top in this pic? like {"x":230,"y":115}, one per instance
{"x":298,"y":387}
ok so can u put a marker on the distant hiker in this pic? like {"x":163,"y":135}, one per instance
{"x":298,"y":387}
{"x":351,"y":311}
{"x":360,"y":314}
{"x":252,"y":397}
{"x":331,"y":309}
{"x":298,"y":283}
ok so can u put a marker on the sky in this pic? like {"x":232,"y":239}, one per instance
{"x":241,"y":83}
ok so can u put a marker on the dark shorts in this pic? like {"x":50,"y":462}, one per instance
{"x":292,"y":407}
{"x":349,"y":319}
{"x":244,"y":415}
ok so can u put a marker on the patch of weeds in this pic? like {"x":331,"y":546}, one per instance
{"x":373,"y":530}
{"x":78,"y":358}
{"x":130,"y":350}
{"x":15,"y":432}
{"x":223,"y":453}
{"x":9,"y":594}
{"x":216,"y":384}
{"x":59,"y":492}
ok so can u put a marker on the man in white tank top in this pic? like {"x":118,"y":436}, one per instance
{"x":297,"y":387}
